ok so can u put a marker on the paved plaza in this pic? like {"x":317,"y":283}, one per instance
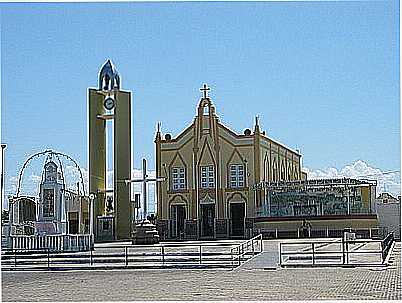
{"x":252,"y":281}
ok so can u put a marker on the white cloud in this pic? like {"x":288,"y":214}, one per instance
{"x":389,"y":182}
{"x":386,"y":182}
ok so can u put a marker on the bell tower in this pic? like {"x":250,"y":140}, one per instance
{"x":109,"y":102}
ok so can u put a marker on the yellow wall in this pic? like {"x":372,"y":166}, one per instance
{"x":207,"y":142}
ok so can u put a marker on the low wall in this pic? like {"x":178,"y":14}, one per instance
{"x":318,"y":222}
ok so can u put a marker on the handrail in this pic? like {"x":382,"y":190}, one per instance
{"x":311,"y":250}
{"x":166,"y":245}
{"x":241,"y":251}
{"x":329,"y":242}
{"x":386,"y":245}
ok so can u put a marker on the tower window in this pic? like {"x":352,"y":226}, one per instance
{"x":178,"y":178}
{"x":206,"y":110}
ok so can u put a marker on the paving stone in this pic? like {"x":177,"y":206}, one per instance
{"x":240,"y":284}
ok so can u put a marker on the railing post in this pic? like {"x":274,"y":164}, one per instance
{"x":252,"y":246}
{"x":298,"y":232}
{"x":347,"y":252}
{"x":370,"y":232}
{"x":48,"y":259}
{"x":163,"y":255}
{"x":276,"y":233}
{"x":312,"y":247}
{"x":125,"y":250}
{"x":90,"y":258}
{"x":200,"y":253}
{"x":261,"y":248}
{"x":343,"y":250}
{"x":327,"y":232}
{"x":231,"y":256}
{"x":280,"y":254}
{"x":15,"y":258}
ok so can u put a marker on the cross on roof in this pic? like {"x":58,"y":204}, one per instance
{"x":205,"y":90}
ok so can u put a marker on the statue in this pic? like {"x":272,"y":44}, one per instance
{"x":306,"y":227}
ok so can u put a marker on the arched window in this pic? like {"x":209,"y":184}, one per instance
{"x":274,"y":171}
{"x":283,"y":171}
{"x":205,"y":110}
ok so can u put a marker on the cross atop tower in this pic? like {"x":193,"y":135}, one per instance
{"x":205,"y":90}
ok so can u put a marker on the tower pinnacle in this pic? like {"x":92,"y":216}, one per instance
{"x":109,"y":78}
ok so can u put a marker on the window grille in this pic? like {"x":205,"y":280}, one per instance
{"x":207,"y":176}
{"x":236,"y":175}
{"x":178,"y":178}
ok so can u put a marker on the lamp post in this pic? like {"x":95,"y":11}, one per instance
{"x":3,"y":147}
{"x":91,"y":218}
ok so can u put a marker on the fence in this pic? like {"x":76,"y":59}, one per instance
{"x":212,"y":255}
{"x":363,"y":233}
{"x":52,"y":242}
{"x":339,"y":252}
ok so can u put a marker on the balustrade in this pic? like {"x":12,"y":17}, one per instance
{"x":52,"y":242}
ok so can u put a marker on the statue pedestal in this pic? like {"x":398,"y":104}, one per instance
{"x":145,"y":233}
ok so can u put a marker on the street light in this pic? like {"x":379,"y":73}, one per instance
{"x":91,"y":218}
{"x":3,"y":147}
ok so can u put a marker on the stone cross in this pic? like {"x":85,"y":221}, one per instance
{"x":144,"y":182}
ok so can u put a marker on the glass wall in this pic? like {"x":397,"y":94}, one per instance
{"x":312,"y":204}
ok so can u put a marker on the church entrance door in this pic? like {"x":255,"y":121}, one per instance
{"x":178,"y":215}
{"x":237,"y":214}
{"x":207,"y":220}
{"x":73,"y":223}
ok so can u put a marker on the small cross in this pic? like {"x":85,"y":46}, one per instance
{"x":205,"y":90}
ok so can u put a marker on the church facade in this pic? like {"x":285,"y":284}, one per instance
{"x":210,"y":170}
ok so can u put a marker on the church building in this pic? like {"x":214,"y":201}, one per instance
{"x":210,"y":171}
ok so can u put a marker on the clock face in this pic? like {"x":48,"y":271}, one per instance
{"x":109,"y":103}
{"x":50,"y":178}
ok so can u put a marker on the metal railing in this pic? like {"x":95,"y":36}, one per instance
{"x":362,"y":233}
{"x":133,"y":256}
{"x":341,"y":252}
{"x":251,"y":247}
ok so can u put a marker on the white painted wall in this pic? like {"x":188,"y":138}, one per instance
{"x":389,"y":216}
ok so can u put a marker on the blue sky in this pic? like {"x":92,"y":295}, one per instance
{"x":323,"y":76}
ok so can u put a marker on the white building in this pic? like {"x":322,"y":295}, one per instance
{"x":388,"y":210}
